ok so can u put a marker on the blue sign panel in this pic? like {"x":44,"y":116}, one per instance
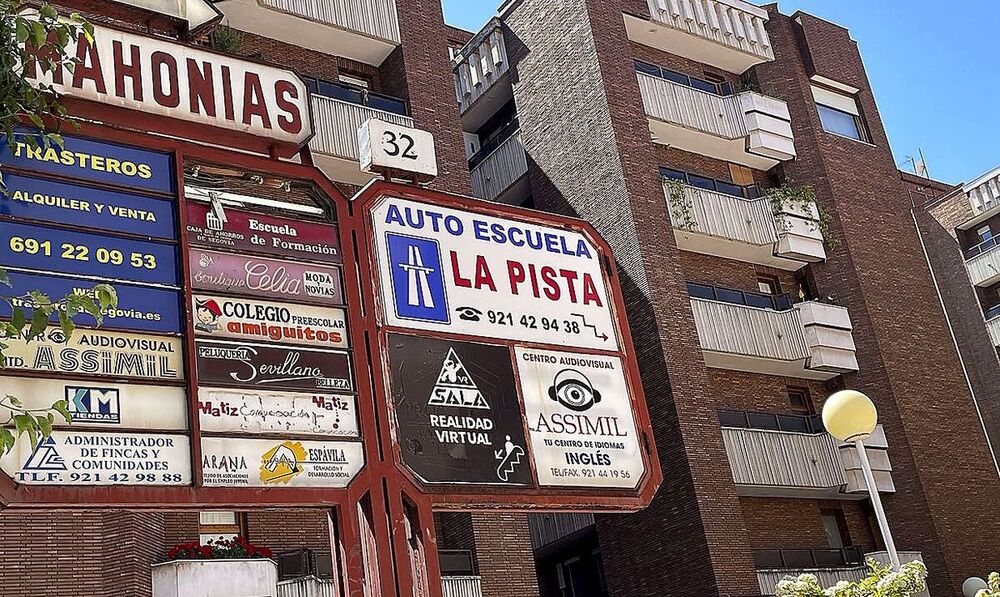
{"x":50,"y":201}
{"x":96,"y":161}
{"x":417,"y":278}
{"x":81,"y":253}
{"x":140,"y":308}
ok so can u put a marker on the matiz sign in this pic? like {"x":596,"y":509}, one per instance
{"x":168,"y":79}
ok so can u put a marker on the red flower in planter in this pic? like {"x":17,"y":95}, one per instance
{"x":238,"y":548}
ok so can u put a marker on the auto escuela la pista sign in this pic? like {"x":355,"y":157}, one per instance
{"x":500,"y":365}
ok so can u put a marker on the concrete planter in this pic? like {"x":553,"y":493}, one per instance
{"x":212,"y":578}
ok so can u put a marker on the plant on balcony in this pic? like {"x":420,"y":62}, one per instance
{"x":221,"y":549}
{"x":226,"y":39}
{"x":880,"y":582}
{"x":800,"y":198}
{"x":680,"y":207}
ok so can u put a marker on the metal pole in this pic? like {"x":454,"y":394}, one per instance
{"x":883,"y":523}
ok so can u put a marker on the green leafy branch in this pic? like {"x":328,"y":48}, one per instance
{"x":681,"y":214}
{"x":31,"y":316}
{"x":35,"y":42}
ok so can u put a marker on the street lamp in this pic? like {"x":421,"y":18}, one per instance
{"x":850,"y":416}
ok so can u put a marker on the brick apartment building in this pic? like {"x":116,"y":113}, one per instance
{"x":664,"y":124}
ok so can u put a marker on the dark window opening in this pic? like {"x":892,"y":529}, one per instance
{"x":715,"y":87}
{"x":356,"y":95}
{"x":800,"y":400}
{"x":710,"y":184}
{"x":776,"y":302}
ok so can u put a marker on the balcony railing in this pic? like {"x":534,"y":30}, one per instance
{"x":551,"y":527}
{"x":811,"y":340}
{"x":993,"y":326}
{"x":336,"y":141}
{"x":808,"y":558}
{"x":310,"y":586}
{"x":496,"y":171}
{"x":768,"y":578}
{"x":725,"y":225}
{"x":984,"y":268}
{"x":480,"y":64}
{"x":729,"y":34}
{"x":747,"y":128}
{"x":798,"y":463}
{"x":365,"y":30}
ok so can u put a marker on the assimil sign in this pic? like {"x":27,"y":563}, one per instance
{"x":100,"y":353}
{"x":463,"y":272}
{"x":228,"y":462}
{"x":580,"y":421}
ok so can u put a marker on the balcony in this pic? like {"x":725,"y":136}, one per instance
{"x":789,"y":456}
{"x":768,"y":578}
{"x":335,"y":145}
{"x":363,"y":30}
{"x":748,"y":128}
{"x":310,"y":586}
{"x":993,"y":326}
{"x":983,"y":263}
{"x":748,"y":230}
{"x":499,"y":171}
{"x":481,"y":81}
{"x":728,"y":34}
{"x":550,"y":528}
{"x":737,"y":331}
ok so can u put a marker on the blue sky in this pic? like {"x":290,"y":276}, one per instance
{"x":932,"y":65}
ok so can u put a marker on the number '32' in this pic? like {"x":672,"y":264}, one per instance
{"x":392,"y":142}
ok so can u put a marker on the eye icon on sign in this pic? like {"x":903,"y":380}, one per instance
{"x":573,"y":390}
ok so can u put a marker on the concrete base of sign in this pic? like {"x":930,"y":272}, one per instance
{"x":210,"y":578}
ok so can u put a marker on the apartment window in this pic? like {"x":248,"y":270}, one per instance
{"x":800,"y":401}
{"x":768,"y":284}
{"x":717,"y":87}
{"x":839,"y":114}
{"x":835,"y":527}
{"x":985,"y":234}
{"x":710,"y":184}
{"x":213,"y":525}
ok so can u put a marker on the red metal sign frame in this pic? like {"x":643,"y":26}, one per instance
{"x":461,"y":497}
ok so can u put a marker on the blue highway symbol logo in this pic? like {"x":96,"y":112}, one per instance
{"x":417,"y":279}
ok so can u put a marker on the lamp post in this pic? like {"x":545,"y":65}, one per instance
{"x":850,"y":416}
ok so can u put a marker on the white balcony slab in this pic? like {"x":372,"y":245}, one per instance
{"x":481,"y":82}
{"x":501,"y":175}
{"x":335,"y":145}
{"x":718,"y":224}
{"x":984,"y":269}
{"x":800,"y":465}
{"x":363,"y":30}
{"x":748,"y":128}
{"x":729,"y":34}
{"x":808,"y":341}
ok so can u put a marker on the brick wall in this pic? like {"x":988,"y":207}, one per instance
{"x":503,"y":554}
{"x":795,"y":523}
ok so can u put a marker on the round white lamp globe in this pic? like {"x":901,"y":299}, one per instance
{"x":849,"y":416}
{"x":973,"y":585}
